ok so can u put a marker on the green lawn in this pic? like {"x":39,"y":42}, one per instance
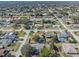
{"x":21,"y":39}
{"x":77,"y":33}
{"x":21,"y":34}
{"x":15,"y":46}
{"x":72,"y":40}
{"x":46,"y":52}
{"x":31,"y":33}
{"x":49,"y":39}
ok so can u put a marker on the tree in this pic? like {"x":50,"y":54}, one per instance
{"x":75,"y":19}
{"x":27,"y":50}
{"x":27,"y":27}
{"x":63,"y":13}
{"x":16,"y":26}
{"x":1,"y":33}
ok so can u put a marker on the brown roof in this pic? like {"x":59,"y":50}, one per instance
{"x":2,"y":52}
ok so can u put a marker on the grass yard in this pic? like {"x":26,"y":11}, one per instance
{"x":21,"y":34}
{"x":77,"y":33}
{"x":15,"y":46}
{"x":49,"y":40}
{"x":72,"y":40}
{"x":31,"y":33}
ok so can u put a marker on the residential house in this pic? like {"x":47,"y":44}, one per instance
{"x":62,"y":37}
{"x":7,"y":39}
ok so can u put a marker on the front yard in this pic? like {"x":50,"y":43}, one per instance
{"x":15,"y":46}
{"x":21,"y":34}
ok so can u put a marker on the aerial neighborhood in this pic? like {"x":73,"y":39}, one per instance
{"x":39,"y":29}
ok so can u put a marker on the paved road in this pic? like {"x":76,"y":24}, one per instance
{"x":8,"y":30}
{"x":22,"y":43}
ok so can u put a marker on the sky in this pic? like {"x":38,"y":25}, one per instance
{"x":39,"y":0}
